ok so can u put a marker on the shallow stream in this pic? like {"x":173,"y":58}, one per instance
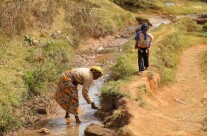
{"x":59,"y":126}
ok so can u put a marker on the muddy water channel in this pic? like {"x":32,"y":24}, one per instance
{"x":59,"y":126}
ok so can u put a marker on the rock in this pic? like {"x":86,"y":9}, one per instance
{"x":179,"y":101}
{"x":97,"y":130}
{"x":59,"y":32}
{"x":143,"y":20}
{"x":35,"y":41}
{"x":42,"y":111}
{"x":200,"y":20}
{"x":100,"y":49}
{"x":117,"y":36}
{"x":44,"y":131}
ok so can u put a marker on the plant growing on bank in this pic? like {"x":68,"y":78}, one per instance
{"x":35,"y":80}
{"x":110,"y":94}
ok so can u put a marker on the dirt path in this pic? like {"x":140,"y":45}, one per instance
{"x":175,"y":110}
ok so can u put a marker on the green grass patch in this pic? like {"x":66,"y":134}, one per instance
{"x":125,"y":65}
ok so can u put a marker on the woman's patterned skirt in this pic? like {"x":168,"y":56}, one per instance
{"x":66,"y":94}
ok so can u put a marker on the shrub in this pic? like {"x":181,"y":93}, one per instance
{"x":35,"y":80}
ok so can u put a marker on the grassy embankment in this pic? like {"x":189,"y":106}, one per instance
{"x":159,"y":7}
{"x":28,"y":70}
{"x":164,"y":57}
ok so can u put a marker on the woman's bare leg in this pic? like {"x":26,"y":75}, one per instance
{"x":67,"y":115}
{"x":77,"y":119}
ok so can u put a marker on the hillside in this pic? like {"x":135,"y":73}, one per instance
{"x":40,"y":39}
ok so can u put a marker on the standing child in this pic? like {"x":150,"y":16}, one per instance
{"x":143,"y":43}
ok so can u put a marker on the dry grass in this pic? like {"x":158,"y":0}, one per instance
{"x":18,"y":16}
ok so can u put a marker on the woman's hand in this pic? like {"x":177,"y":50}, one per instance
{"x":93,"y":106}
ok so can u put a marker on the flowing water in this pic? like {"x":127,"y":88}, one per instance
{"x":156,"y":21}
{"x":59,"y":126}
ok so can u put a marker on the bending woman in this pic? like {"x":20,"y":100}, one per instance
{"x":67,"y":93}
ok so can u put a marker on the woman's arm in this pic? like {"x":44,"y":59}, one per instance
{"x":85,"y":93}
{"x":86,"y":96}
